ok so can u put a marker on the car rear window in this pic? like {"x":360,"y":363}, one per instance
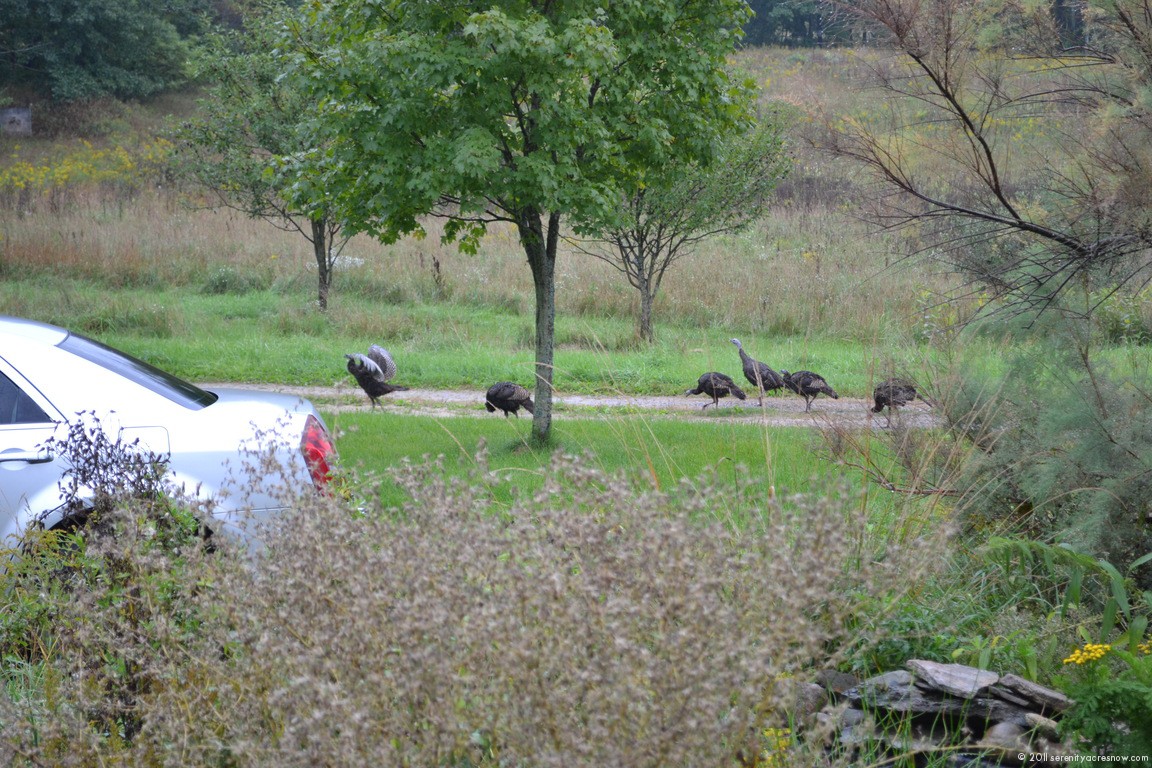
{"x":16,"y":407}
{"x":149,"y":376}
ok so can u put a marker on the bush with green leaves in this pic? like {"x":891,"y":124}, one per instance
{"x":1121,"y":318}
{"x":589,"y":623}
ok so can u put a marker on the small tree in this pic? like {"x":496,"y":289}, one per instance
{"x":683,"y":203}
{"x":519,"y":111}
{"x":252,"y":120}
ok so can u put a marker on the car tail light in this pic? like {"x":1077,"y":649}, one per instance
{"x":317,"y":448}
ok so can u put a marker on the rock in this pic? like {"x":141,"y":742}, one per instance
{"x":801,"y":700}
{"x":1006,"y":742}
{"x":896,"y":691}
{"x":961,"y":715}
{"x":860,"y":733}
{"x":853,"y":717}
{"x":1045,"y":697}
{"x":809,"y":698}
{"x":1011,"y":698}
{"x":955,"y":679}
{"x":844,"y":725}
{"x":921,"y":738}
{"x":1042,"y":725}
{"x":889,"y":686}
{"x":836,"y":682}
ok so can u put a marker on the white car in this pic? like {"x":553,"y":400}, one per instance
{"x":51,"y":379}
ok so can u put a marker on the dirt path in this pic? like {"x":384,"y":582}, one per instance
{"x":779,"y":410}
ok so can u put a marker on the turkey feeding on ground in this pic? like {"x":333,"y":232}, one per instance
{"x":758,"y":374}
{"x":508,"y":397}
{"x":373,"y":371}
{"x":894,"y":393}
{"x":808,"y":385}
{"x":716,"y":385}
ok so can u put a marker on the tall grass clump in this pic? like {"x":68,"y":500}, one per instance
{"x":590,"y":623}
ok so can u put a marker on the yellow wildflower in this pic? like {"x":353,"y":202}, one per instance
{"x":1090,"y":652}
{"x":778,"y":740}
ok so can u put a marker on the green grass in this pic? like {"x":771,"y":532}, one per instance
{"x":658,"y":453}
{"x":277,"y":337}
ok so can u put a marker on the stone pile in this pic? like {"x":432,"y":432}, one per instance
{"x":970,"y":716}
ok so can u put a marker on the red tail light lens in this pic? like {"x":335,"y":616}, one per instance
{"x":318,"y":450}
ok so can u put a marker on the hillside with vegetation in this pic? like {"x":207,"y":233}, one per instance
{"x":638,"y":590}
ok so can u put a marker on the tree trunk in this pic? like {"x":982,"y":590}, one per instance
{"x":323,"y":268}
{"x":646,"y":300}
{"x":540,"y":248}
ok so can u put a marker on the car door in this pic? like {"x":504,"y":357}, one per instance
{"x":29,"y":472}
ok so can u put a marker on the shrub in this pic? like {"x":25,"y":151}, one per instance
{"x":1120,"y":317}
{"x":1066,"y":453}
{"x":589,"y":624}
{"x":227,"y":279}
{"x":91,"y":605}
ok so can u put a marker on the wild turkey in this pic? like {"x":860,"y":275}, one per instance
{"x":716,"y":385}
{"x":808,"y":385}
{"x":758,"y":374}
{"x":508,"y":397}
{"x":893,"y":393}
{"x":373,"y":372}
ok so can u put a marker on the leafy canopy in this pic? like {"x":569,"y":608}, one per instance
{"x":496,"y":108}
{"x":85,"y":49}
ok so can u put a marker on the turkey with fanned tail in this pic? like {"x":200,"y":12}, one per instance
{"x":373,"y":372}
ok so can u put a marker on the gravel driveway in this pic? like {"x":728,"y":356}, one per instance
{"x":779,"y":410}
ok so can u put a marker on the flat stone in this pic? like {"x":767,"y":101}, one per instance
{"x":896,"y":692}
{"x":1010,"y":697}
{"x":1041,"y":695}
{"x":955,"y":679}
{"x":897,"y":680}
